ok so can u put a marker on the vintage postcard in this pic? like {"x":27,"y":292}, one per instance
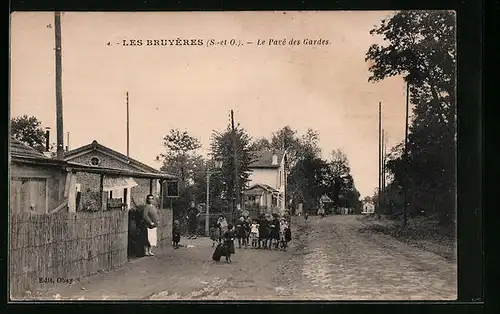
{"x":280,"y":155}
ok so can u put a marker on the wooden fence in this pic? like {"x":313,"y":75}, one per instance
{"x":165,"y":228}
{"x":47,"y":250}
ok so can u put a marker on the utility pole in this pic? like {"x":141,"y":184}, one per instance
{"x":207,"y":206}
{"x":59,"y":100}
{"x":405,"y":186}
{"x":379,"y":155}
{"x":128,"y":128}
{"x":67,"y":142}
{"x":235,"y":161}
{"x":384,"y":163}
{"x":382,"y":168}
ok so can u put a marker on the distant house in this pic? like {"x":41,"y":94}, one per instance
{"x":267,"y":182}
{"x":368,"y":207}
{"x":126,"y":191}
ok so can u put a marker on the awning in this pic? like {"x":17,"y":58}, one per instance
{"x":118,"y":183}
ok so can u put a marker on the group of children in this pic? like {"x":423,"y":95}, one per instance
{"x":267,"y":232}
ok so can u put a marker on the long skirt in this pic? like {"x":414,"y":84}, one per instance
{"x":229,"y":244}
{"x":153,"y":236}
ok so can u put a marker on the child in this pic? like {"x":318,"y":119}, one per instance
{"x":263,"y":232}
{"x":254,"y":233}
{"x":176,"y":234}
{"x":275,"y":232}
{"x":229,"y":242}
{"x":215,"y":234}
{"x":240,"y":232}
{"x":284,"y":228}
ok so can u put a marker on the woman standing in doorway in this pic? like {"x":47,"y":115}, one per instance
{"x":151,"y":219}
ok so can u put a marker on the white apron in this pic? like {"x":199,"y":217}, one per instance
{"x":152,"y":236}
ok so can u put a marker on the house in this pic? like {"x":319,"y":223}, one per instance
{"x":45,"y":185}
{"x":120,"y":191}
{"x":267,"y":182}
{"x":368,"y":207}
{"x":37,"y":183}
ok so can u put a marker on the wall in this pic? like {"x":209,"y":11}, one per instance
{"x":165,"y":228}
{"x":91,"y":181}
{"x":264,"y":176}
{"x":55,"y":176}
{"x":64,"y":245}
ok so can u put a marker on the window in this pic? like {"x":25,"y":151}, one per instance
{"x":280,"y":180}
{"x":95,"y":161}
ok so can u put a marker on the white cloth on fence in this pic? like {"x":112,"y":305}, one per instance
{"x":153,"y":236}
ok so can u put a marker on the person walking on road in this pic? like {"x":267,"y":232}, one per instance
{"x":229,"y":242}
{"x":193,"y":221}
{"x":151,"y":219}
{"x":176,"y":234}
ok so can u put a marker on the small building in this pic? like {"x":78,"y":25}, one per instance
{"x":368,"y":207}
{"x":267,"y":182}
{"x":127,"y":191}
{"x":43,"y":185}
{"x":37,"y":183}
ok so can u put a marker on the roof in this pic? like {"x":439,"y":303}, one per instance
{"x":118,"y":172}
{"x":19,"y":149}
{"x":264,"y":159}
{"x":326,"y":199}
{"x":73,"y":166}
{"x":262,"y":186}
{"x":106,"y":150}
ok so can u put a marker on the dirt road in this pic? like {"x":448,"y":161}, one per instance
{"x":329,"y":259}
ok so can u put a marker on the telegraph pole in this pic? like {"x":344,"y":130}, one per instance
{"x":405,"y":187}
{"x":59,"y":99}
{"x":128,"y":128}
{"x":379,"y":155}
{"x":207,"y":206}
{"x":235,"y":160}
{"x":382,"y":168}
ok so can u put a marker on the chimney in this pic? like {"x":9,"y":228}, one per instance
{"x":275,"y":159}
{"x":47,"y":139}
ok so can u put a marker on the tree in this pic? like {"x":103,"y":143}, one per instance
{"x":421,"y":47}
{"x":222,"y":149}
{"x":260,"y":144}
{"x":181,"y":159}
{"x":310,"y":178}
{"x":29,"y":131}
{"x":343,"y":182}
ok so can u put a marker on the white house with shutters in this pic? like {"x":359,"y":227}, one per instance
{"x":266,"y":189}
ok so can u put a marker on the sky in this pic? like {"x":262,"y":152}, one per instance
{"x":193,"y":88}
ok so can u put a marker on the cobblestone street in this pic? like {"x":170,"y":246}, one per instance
{"x":329,"y":259}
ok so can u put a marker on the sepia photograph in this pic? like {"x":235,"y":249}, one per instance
{"x":244,"y":155}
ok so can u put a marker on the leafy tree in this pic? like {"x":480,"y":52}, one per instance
{"x":260,"y":144}
{"x":223,"y":149}
{"x":181,"y":159}
{"x":29,"y":131}
{"x":421,"y":47}
{"x":311,"y":178}
{"x":343,"y":192}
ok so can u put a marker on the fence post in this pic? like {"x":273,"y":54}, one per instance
{"x":101,"y":193}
